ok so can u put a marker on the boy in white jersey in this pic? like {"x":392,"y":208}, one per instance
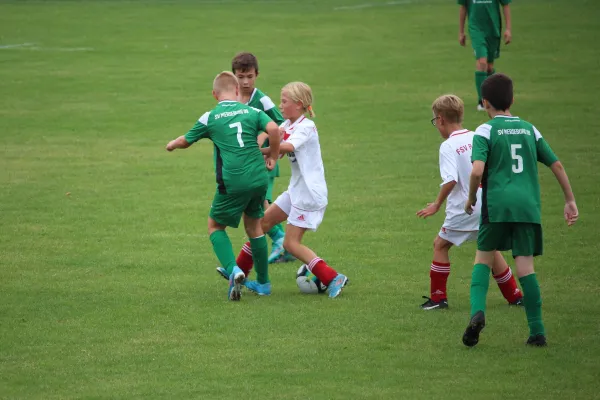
{"x":458,"y":227}
{"x":303,"y":203}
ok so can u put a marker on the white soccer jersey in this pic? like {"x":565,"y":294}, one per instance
{"x":307,"y":189}
{"x":455,"y":165}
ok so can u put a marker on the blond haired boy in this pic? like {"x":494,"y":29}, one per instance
{"x":458,"y":227}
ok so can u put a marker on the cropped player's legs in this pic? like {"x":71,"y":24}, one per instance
{"x":224,"y":251}
{"x":480,"y":281}
{"x":481,"y":74}
{"x":276,"y":233}
{"x":506,"y":280}
{"x":258,"y":246}
{"x":438,"y":275}
{"x":327,"y":275}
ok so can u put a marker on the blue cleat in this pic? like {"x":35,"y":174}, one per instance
{"x":223,"y":272}
{"x":277,"y":251}
{"x":261,"y":289}
{"x":285,"y":257}
{"x":236,"y":279}
{"x":336,"y":285}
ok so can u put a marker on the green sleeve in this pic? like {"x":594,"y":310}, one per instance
{"x":198,"y":131}
{"x":545,"y":154}
{"x":275,"y":115}
{"x":462,"y":2}
{"x":481,"y":149}
{"x":263,"y":120}
{"x":505,"y":2}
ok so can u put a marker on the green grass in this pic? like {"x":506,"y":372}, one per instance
{"x":110,"y":291}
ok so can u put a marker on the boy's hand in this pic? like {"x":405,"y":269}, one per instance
{"x":507,"y":36}
{"x":462,"y":39}
{"x":270,"y":163}
{"x":428,"y":211}
{"x":571,"y":212}
{"x":171,"y":145}
{"x":469,"y":206}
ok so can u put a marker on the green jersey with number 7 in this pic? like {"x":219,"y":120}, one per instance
{"x":233,"y":128}
{"x":511,"y":149}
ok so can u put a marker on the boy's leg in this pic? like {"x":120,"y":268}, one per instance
{"x":226,"y":210}
{"x":438,"y":274}
{"x":480,"y":48}
{"x":527,"y":239}
{"x":506,"y":280}
{"x":221,"y":244}
{"x":258,"y":246}
{"x":480,"y":280}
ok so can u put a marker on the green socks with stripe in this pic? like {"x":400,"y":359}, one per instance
{"x":223,"y":249}
{"x":260,"y":254}
{"x":480,"y":76}
{"x":480,"y":282}
{"x":532,"y":300}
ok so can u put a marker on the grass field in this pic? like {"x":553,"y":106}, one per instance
{"x":107,"y":281}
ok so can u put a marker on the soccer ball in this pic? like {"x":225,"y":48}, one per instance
{"x":307,"y":282}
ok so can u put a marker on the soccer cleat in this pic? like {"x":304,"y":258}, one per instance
{"x":223,"y":272}
{"x":537,"y":340}
{"x":480,"y":106}
{"x":517,"y":302}
{"x":285,"y":257}
{"x":434,"y":305}
{"x":236,"y":279}
{"x":261,"y":289}
{"x":336,"y":285}
{"x":476,"y":324}
{"x":277,"y":250}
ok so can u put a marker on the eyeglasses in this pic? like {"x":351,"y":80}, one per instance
{"x":434,"y":119}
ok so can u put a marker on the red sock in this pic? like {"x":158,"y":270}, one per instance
{"x":244,"y":259}
{"x":508,"y":286}
{"x":322,"y":271}
{"x":438,"y":275}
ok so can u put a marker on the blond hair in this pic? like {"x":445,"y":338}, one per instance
{"x":300,"y":92}
{"x":449,"y":106}
{"x":225,"y":82}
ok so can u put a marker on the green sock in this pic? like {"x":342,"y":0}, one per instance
{"x":223,"y":249}
{"x":480,"y":282}
{"x":492,"y":72}
{"x":260,"y":254}
{"x":532,"y":299}
{"x":276,"y":232}
{"x":480,"y":76}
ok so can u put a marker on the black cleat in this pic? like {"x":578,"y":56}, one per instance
{"x":537,"y":340}
{"x":518,"y":302}
{"x":434,"y":305}
{"x":476,"y":325}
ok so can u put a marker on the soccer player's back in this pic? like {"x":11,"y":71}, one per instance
{"x":505,"y":155}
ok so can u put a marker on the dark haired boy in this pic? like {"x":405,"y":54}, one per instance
{"x":506,"y":150}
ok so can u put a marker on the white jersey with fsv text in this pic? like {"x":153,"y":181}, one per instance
{"x":307,"y":189}
{"x":455,"y":165}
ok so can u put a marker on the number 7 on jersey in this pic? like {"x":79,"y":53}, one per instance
{"x":238,"y":125}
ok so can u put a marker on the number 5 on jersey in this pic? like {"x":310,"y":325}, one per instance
{"x":517,"y":169}
{"x":238,"y":125}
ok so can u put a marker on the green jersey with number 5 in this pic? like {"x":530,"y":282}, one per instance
{"x":511,"y":149}
{"x":233,"y":128}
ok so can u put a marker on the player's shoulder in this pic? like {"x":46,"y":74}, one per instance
{"x":484,"y":129}
{"x":308,"y":123}
{"x":262,"y":100}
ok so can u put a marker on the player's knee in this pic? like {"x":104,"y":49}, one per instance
{"x":482,"y":64}
{"x":289,"y":244}
{"x":439,"y":243}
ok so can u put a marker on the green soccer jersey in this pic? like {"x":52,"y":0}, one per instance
{"x":263,"y":102}
{"x":233,"y":128}
{"x":510,"y":148}
{"x":484,"y":16}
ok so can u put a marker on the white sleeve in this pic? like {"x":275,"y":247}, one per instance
{"x":301,"y":135}
{"x":267,"y":103}
{"x":448,"y":165}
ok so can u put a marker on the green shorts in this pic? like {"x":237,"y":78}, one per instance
{"x":227,"y":209}
{"x":485,"y":46}
{"x":524,"y":239}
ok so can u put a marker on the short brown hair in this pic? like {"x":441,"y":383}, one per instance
{"x":498,"y":91}
{"x":449,"y":106}
{"x":244,"y":62}
{"x":225,"y":82}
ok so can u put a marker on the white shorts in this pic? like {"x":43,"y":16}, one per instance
{"x":297,"y":217}
{"x":457,"y":237}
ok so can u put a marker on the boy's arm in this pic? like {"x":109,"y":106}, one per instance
{"x":274,"y":143}
{"x":284,"y":148}
{"x":434,"y":207}
{"x":571,"y":212}
{"x":198,"y":131}
{"x":262,"y":138}
{"x":179,"y":143}
{"x":508,"y":20}
{"x":462,"y":17}
{"x":474,"y":182}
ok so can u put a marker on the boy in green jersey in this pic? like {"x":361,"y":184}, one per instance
{"x":485,"y":27}
{"x":242,"y":178}
{"x":245,"y":67}
{"x":506,"y":151}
